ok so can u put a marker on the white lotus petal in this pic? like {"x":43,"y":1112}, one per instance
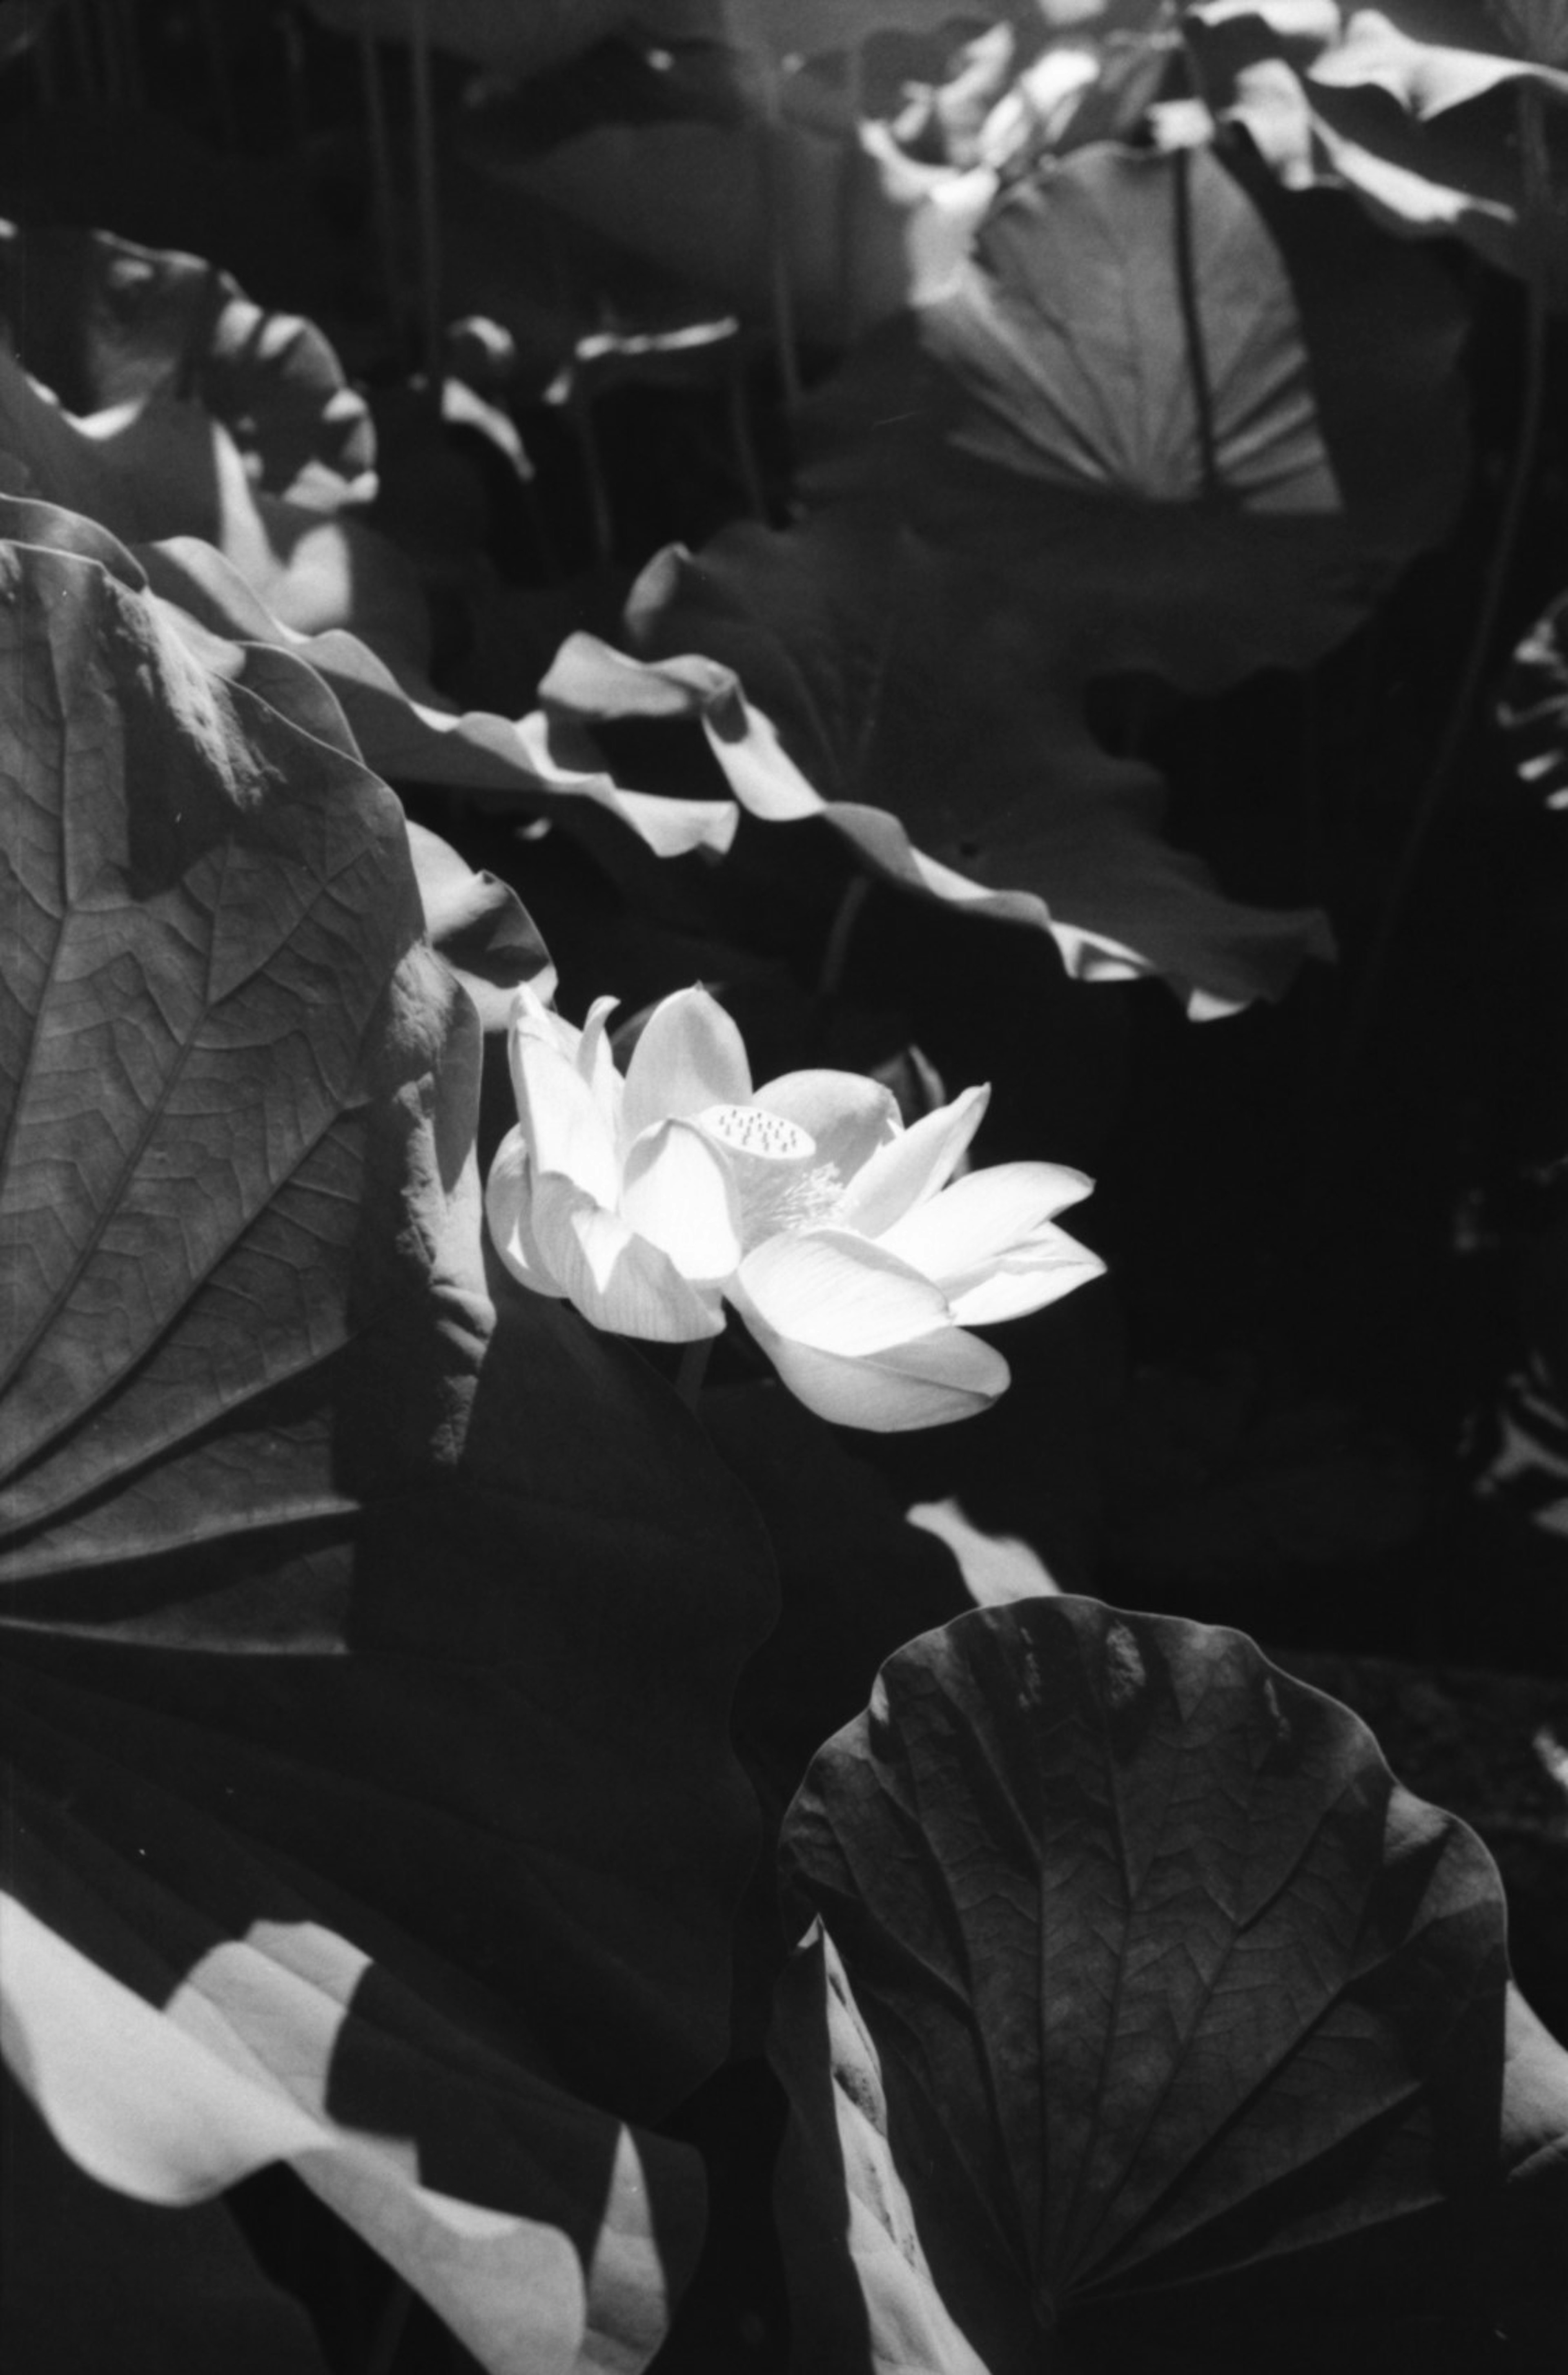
{"x":596,"y":1063}
{"x":678,"y":1194}
{"x":848,"y":1116}
{"x":1050,"y":1266}
{"x":532,"y":1018}
{"x":614,"y":1277}
{"x":509,"y":1198}
{"x":559,"y":1116}
{"x":913,"y":1166}
{"x":690,"y":1055}
{"x":839,"y":1293}
{"x":960,"y":1235}
{"x":930,"y":1382}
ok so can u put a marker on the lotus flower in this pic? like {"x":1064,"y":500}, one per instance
{"x":845,"y":1242}
{"x":606,"y":1192}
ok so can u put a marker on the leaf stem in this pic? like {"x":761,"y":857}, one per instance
{"x":220,"y":79}
{"x":382,"y":177}
{"x":426,"y":198}
{"x":750,"y":34}
{"x":87,"y":85}
{"x":1527,"y":442}
{"x":840,"y":932}
{"x":1211,"y":486}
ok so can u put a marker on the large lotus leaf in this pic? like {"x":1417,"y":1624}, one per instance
{"x":476,"y":922}
{"x":103,"y":322}
{"x":544,"y":763}
{"x":1271,"y":402}
{"x":94,"y":2278}
{"x":927,"y":706}
{"x":164,"y":466}
{"x":1416,"y":107}
{"x":1181,"y":2022}
{"x":368,"y":1628}
{"x":1041,"y":479}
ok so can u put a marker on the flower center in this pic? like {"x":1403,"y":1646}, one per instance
{"x":779,"y":1185}
{"x":748,"y":1130}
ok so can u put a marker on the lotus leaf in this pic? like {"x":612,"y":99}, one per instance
{"x":104,"y":321}
{"x":1416,"y":107}
{"x":1178,"y":2027}
{"x":344,"y":1824}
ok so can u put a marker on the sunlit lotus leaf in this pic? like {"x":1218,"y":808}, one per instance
{"x":810,"y":623}
{"x":105,"y":322}
{"x":331,"y":1574}
{"x":102,"y":2275}
{"x":477,"y":923}
{"x":162,"y":466}
{"x":544,"y":763}
{"x":844,"y":2210}
{"x":1178,"y":2026}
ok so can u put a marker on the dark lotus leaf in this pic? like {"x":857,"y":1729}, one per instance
{"x":22,"y":24}
{"x":369,"y":1626}
{"x":94,"y":2278}
{"x":936,"y":714}
{"x":1187,"y":2020}
{"x":1416,"y":107}
{"x":1324,"y":369}
{"x":1028,"y":484}
{"x":520,"y":42}
{"x":104,"y":321}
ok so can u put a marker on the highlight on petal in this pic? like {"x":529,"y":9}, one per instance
{"x":678,"y":1193}
{"x":1050,"y":1266}
{"x":690,"y":1055}
{"x":596,"y":1063}
{"x":560,"y":1116}
{"x":930,"y":1381}
{"x":838,"y":1293}
{"x":533,"y":1020}
{"x":913,"y":1166}
{"x":614,"y":1277}
{"x":1038,"y":1273}
{"x":509,"y":1198}
{"x":985,"y":1218}
{"x":847,"y":1116}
